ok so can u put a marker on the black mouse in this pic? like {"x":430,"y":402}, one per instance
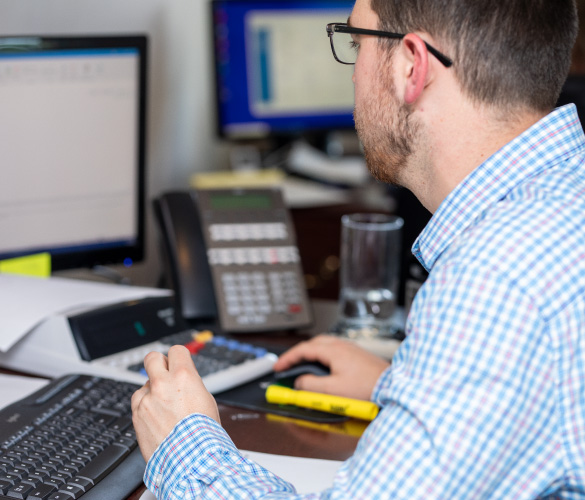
{"x":304,"y":368}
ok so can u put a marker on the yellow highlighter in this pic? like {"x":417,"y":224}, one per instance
{"x":356,"y":408}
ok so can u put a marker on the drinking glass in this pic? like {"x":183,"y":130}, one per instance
{"x":370,"y":262}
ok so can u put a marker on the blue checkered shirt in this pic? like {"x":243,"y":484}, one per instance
{"x":485,"y":399}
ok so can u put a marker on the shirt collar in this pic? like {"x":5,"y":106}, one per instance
{"x":549,"y":141}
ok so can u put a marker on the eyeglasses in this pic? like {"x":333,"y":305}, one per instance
{"x":345,"y":49}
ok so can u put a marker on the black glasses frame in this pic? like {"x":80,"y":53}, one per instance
{"x":344,"y":28}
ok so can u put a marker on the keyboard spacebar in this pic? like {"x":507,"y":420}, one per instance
{"x":103,"y":463}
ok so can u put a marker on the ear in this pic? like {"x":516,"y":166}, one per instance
{"x":417,"y":70}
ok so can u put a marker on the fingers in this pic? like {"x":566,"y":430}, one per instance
{"x":290,"y":358}
{"x":139,"y":395}
{"x":155,"y":364}
{"x":316,"y":349}
{"x":179,"y":358}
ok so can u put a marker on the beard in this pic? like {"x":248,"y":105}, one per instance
{"x":387,"y":132}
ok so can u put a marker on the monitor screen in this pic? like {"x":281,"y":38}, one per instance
{"x":275,"y":71}
{"x":72,"y":144}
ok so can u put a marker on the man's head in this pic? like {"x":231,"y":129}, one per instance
{"x":425,"y":125}
{"x":507,"y":53}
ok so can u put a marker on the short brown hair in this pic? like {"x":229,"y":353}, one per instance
{"x":505,"y":52}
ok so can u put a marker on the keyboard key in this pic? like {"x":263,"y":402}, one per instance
{"x":15,"y":455}
{"x":121,"y":424}
{"x":61,"y":495}
{"x":30,"y":462}
{"x":71,"y":466}
{"x":105,"y":420}
{"x":40,"y":457}
{"x":88,"y":454}
{"x":48,"y":467}
{"x":24,"y":467}
{"x":20,"y":491}
{"x":40,"y":492}
{"x":57,"y":482}
{"x":103,"y":463}
{"x":77,"y":442}
{"x":60,"y":476}
{"x":51,"y":462}
{"x":72,"y":489}
{"x":15,"y":474}
{"x":39,"y":476}
{"x":83,"y":483}
{"x":106,"y":410}
{"x":127,"y":443}
{"x":6,"y":463}
{"x":4,"y":487}
{"x":67,"y":471}
{"x":80,"y":459}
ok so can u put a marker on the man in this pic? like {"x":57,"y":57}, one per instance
{"x":486,"y":396}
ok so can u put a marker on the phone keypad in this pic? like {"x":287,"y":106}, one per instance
{"x":253,"y":255}
{"x":251,"y":296}
{"x":248,"y":231}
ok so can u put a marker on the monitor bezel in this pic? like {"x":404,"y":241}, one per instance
{"x":83,"y":256}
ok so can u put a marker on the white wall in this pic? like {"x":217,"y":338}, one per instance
{"x":180,"y":115}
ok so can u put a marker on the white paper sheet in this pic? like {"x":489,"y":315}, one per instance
{"x":15,"y":387}
{"x":306,"y":474}
{"x":25,"y":301}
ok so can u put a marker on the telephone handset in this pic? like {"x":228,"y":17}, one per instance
{"x":231,"y":254}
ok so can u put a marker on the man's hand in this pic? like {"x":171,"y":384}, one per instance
{"x":174,"y":390}
{"x":354,"y":371}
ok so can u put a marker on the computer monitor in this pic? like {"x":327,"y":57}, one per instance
{"x":275,"y":72}
{"x":72,"y":147}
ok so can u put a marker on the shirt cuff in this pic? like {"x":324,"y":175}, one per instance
{"x":382,"y":386}
{"x":195,"y":436}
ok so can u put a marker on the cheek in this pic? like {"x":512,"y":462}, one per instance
{"x":360,"y":79}
{"x":365,"y":68}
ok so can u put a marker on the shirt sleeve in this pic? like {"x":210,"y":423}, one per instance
{"x":467,"y":411}
{"x":471,"y":391}
{"x":199,"y":460}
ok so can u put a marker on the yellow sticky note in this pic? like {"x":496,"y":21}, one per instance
{"x":32,"y":265}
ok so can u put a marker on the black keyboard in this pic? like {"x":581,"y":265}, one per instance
{"x":71,"y":439}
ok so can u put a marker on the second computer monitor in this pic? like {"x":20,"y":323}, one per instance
{"x":276,"y":75}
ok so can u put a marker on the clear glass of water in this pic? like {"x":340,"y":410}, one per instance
{"x":370,"y":272}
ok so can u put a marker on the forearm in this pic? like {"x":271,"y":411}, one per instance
{"x":199,"y":460}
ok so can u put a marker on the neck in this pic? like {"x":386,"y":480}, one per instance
{"x":460,"y":140}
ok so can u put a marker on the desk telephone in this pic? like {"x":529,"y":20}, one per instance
{"x":231,"y":254}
